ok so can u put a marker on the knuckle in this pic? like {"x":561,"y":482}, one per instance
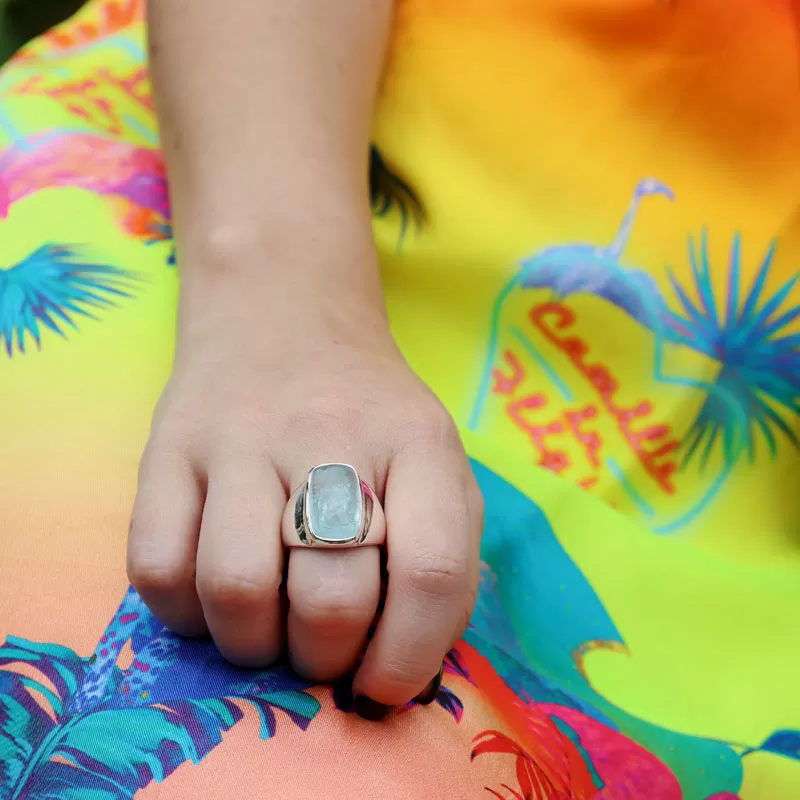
{"x":233,"y":591}
{"x":164,"y":449}
{"x":402,"y":677}
{"x":335,"y":416}
{"x":437,"y":575}
{"x":333,"y":609}
{"x":430,"y":426}
{"x":152,"y":579}
{"x":235,"y":445}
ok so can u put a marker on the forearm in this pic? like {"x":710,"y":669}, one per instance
{"x":265,"y":109}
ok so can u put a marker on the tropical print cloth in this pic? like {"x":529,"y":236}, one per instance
{"x":588,"y":214}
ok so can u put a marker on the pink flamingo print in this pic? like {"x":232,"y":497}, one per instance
{"x":134,"y":175}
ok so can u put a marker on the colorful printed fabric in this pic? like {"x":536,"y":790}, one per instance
{"x":589,"y":219}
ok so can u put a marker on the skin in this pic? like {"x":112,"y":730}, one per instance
{"x":285,"y":360}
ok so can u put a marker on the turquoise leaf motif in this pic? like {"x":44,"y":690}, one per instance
{"x":750,"y":332}
{"x":53,"y":287}
{"x":56,"y":745}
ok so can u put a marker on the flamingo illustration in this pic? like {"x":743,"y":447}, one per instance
{"x":114,"y":169}
{"x":588,"y":269}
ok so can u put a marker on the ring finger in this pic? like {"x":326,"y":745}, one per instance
{"x":333,"y":597}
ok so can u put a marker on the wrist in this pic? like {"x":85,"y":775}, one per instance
{"x":224,"y":225}
{"x":300,"y":293}
{"x":283,"y":238}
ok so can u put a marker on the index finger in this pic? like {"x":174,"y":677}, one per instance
{"x":433,"y":564}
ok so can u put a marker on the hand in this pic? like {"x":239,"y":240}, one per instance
{"x":248,"y":411}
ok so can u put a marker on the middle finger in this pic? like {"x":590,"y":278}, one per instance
{"x":239,"y":560}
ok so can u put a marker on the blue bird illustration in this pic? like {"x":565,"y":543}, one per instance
{"x":581,"y":268}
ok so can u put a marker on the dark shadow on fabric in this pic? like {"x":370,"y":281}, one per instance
{"x":23,"y":20}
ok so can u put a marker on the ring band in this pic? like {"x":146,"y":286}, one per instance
{"x":335,"y":508}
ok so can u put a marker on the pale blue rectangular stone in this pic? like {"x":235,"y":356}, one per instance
{"x":334,"y":503}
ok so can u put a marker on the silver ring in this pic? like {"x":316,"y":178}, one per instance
{"x":333,"y":508}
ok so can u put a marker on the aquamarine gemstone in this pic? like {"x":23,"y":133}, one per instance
{"x":334,"y":503}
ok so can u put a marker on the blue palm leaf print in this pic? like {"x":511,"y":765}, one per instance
{"x":52,"y":287}
{"x":24,"y":722}
{"x":92,"y":729}
{"x":760,"y":374}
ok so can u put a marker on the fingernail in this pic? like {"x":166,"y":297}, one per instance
{"x":368,"y":709}
{"x":431,"y":692}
